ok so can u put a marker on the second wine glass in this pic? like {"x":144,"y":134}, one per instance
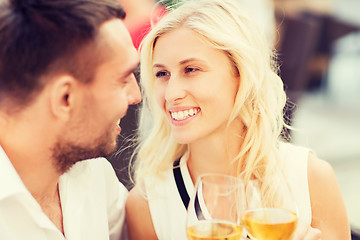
{"x":270,"y":213}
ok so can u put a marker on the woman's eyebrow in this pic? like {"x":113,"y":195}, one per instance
{"x":157,"y":65}
{"x":185,"y":61}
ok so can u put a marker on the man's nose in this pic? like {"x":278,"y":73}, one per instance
{"x":134,"y":94}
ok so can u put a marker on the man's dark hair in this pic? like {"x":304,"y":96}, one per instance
{"x":41,"y":37}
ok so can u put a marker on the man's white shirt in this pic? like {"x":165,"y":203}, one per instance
{"x":92,"y":201}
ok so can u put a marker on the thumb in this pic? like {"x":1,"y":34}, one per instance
{"x":306,"y":232}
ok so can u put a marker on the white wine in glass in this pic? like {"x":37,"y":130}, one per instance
{"x":214,"y":230}
{"x":268,"y":221}
{"x":215,"y":208}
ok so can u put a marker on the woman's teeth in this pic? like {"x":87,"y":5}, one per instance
{"x":181,"y":115}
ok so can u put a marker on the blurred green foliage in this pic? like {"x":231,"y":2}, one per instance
{"x":169,"y":3}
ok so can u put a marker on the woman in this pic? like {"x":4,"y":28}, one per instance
{"x":215,"y":103}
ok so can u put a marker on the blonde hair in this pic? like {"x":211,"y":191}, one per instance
{"x":259,"y":101}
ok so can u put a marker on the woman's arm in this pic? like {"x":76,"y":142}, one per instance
{"x":140,"y":225}
{"x":327,"y":205}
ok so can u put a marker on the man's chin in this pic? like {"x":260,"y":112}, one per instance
{"x":67,"y":156}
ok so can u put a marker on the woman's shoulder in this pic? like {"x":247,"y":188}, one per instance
{"x":137,"y":199}
{"x":291,"y":147}
{"x":293,"y":156}
{"x":327,"y":204}
{"x":138,"y":217}
{"x":321,"y":177}
{"x":319,"y":168}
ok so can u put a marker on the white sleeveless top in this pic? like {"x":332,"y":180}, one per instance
{"x":167,"y":209}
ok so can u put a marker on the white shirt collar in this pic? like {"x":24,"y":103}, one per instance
{"x":92,"y":202}
{"x":10,"y":181}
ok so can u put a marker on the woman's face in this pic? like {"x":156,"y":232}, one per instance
{"x":195,"y":85}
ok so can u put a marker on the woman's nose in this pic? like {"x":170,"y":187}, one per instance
{"x":174,"y":89}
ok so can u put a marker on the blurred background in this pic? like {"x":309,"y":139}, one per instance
{"x":318,"y":43}
{"x":318,"y":46}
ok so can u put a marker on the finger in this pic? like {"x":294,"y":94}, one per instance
{"x":301,"y":231}
{"x":313,"y":234}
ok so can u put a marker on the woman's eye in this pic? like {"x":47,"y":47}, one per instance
{"x":161,"y":74}
{"x":190,"y":69}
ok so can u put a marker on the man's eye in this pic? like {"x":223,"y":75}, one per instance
{"x":136,"y":71}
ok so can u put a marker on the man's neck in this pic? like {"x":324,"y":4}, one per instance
{"x":28,"y":147}
{"x":42,"y":182}
{"x":38,"y":173}
{"x":27,"y":138}
{"x":51,"y":206}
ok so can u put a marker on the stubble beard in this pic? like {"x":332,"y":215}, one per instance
{"x":66,"y":154}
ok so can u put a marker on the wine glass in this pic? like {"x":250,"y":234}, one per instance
{"x":214,"y":209}
{"x":270,"y":214}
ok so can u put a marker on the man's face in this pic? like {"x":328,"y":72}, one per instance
{"x":94,"y":127}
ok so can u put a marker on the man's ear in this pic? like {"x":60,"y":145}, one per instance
{"x":63,"y":96}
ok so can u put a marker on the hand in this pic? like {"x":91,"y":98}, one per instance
{"x":307,"y":233}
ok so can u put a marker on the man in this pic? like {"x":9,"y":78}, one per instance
{"x":66,"y":80}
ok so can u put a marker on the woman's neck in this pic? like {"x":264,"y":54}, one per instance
{"x":215,"y":154}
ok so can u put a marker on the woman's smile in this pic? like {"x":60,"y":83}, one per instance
{"x":182,"y":117}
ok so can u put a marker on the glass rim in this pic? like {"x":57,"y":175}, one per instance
{"x":229,"y":178}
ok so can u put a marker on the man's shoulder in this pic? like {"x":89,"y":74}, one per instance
{"x":98,"y":171}
{"x":96,"y":175}
{"x":90,"y":166}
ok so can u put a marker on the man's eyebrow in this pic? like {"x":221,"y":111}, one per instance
{"x":132,"y":70}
